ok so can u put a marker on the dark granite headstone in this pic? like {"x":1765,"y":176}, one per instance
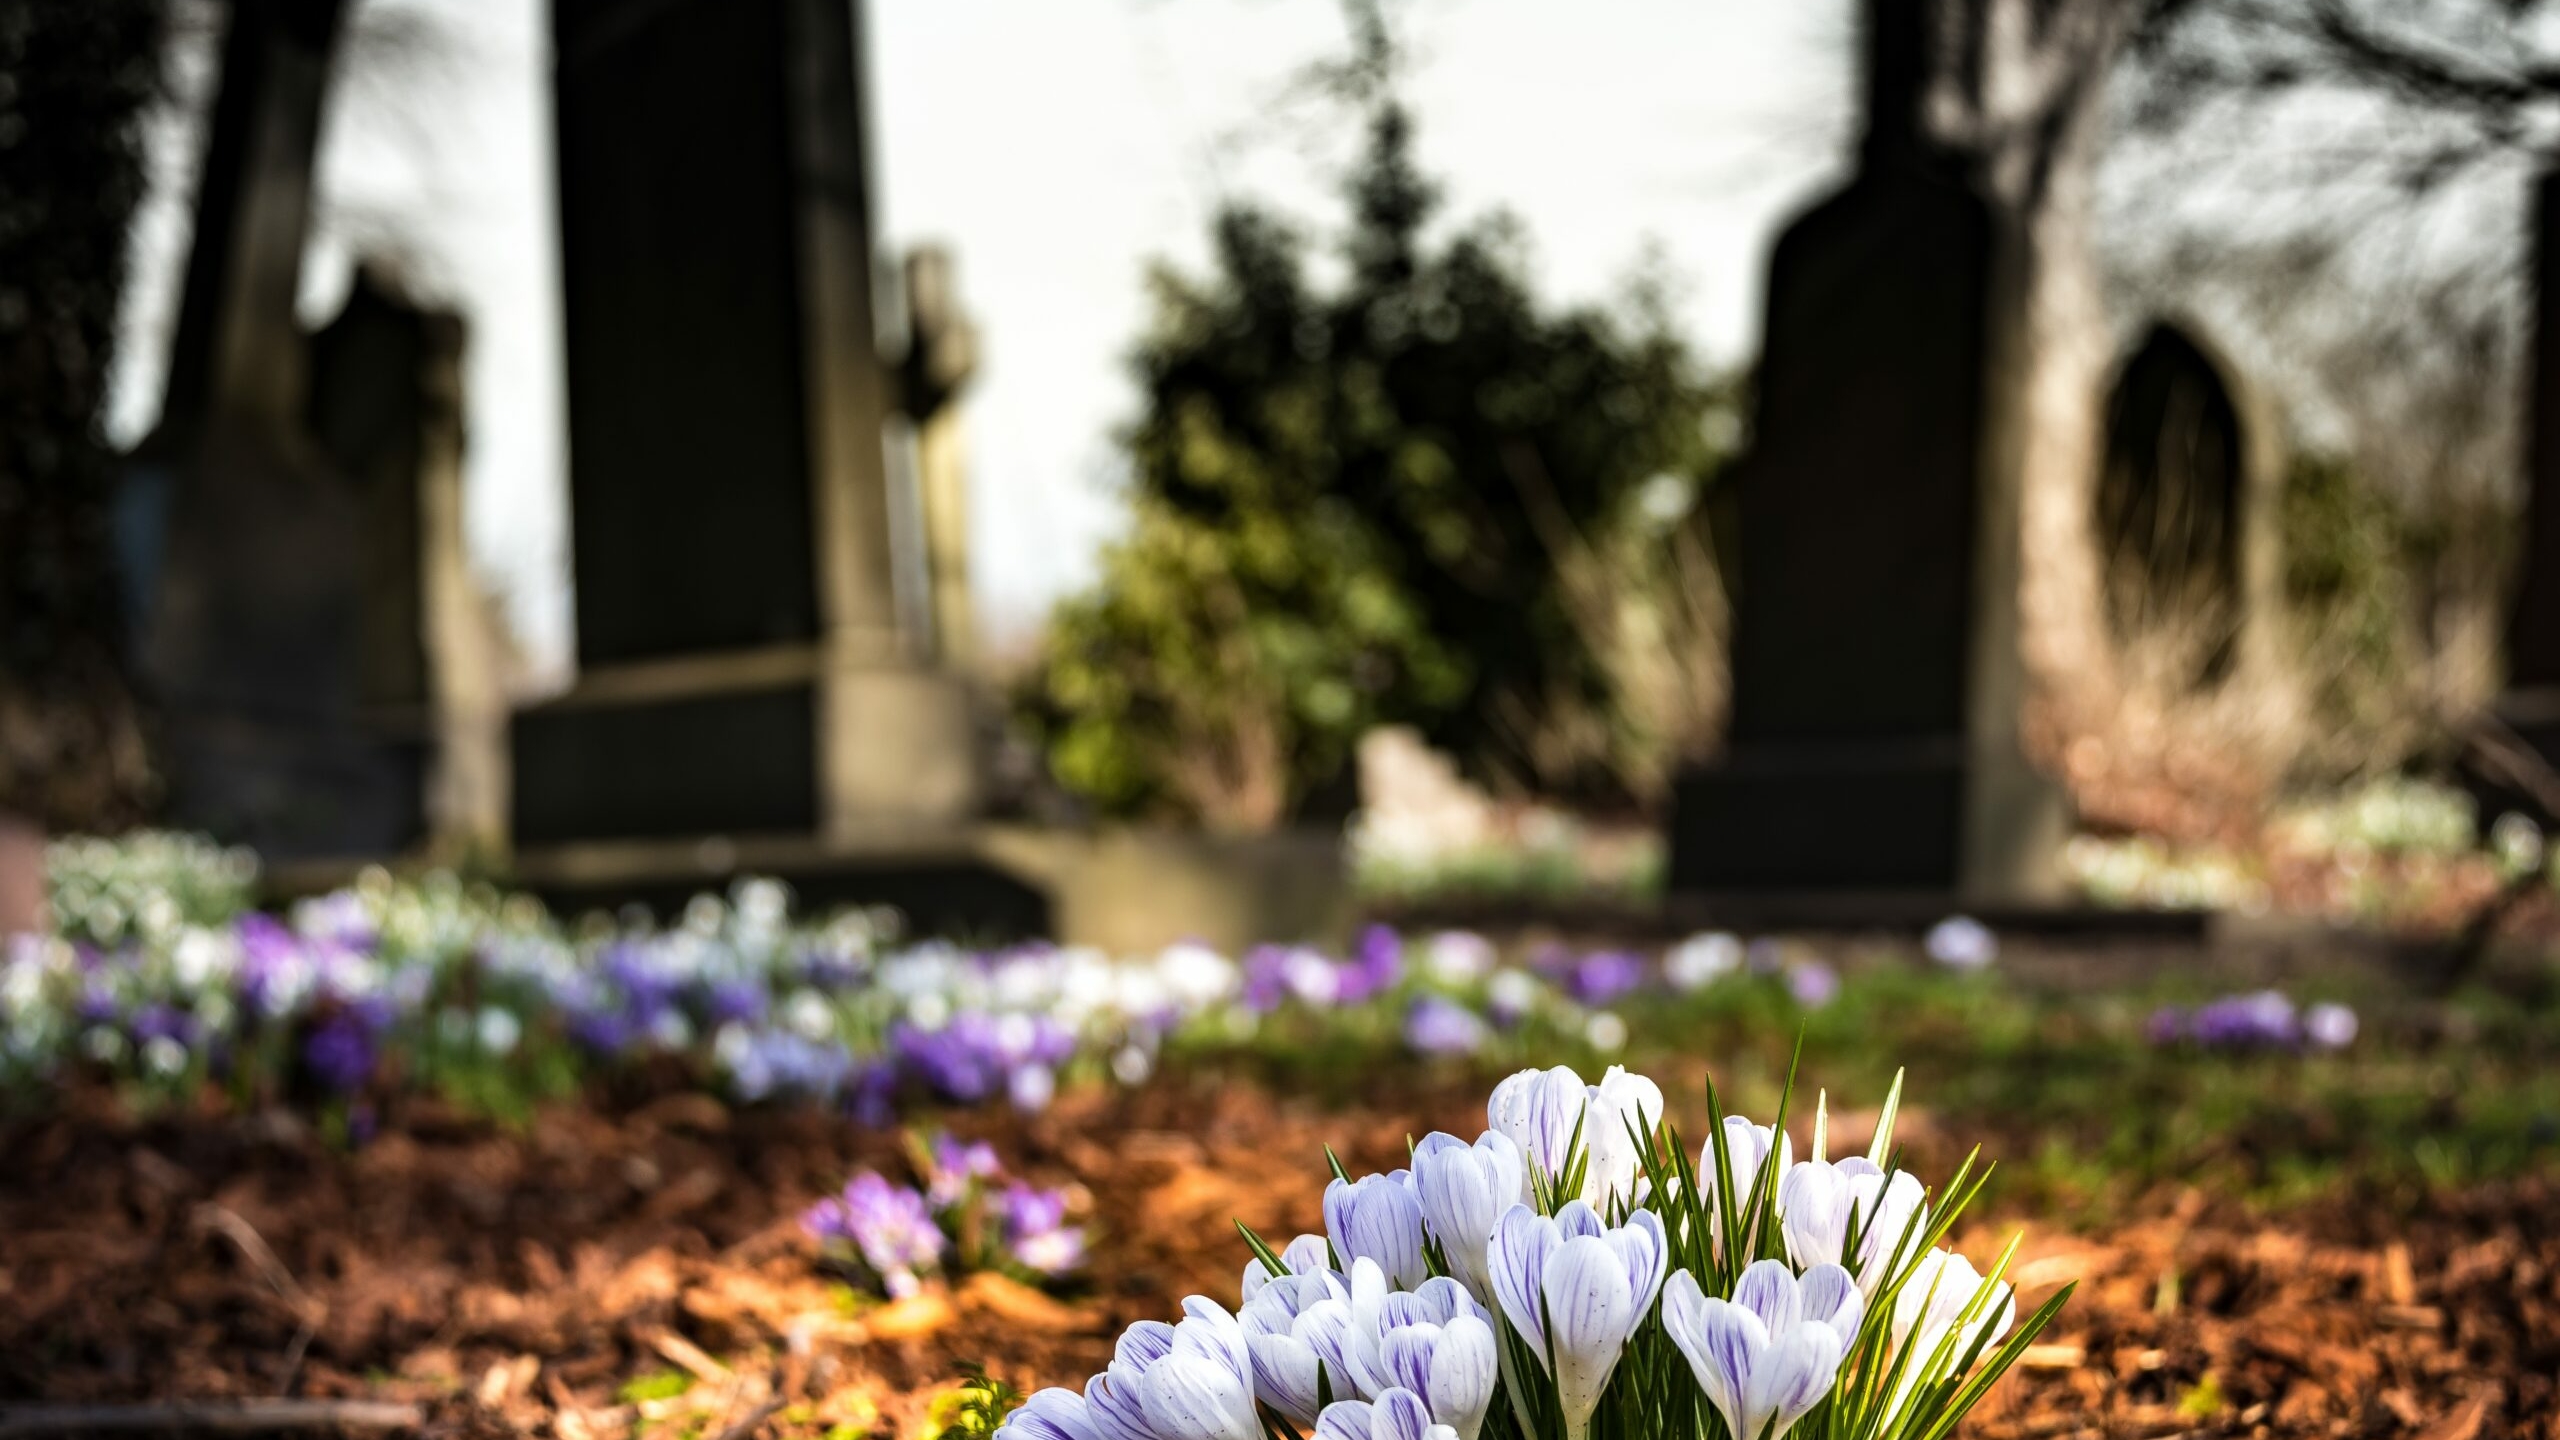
{"x":1876,"y":675}
{"x":250,"y":540}
{"x":744,"y":666}
{"x":2530,"y":701}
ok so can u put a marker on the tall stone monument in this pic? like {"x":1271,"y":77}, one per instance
{"x":1877,"y":669}
{"x":291,"y":530}
{"x":245,"y":538}
{"x":745,"y":665}
{"x":387,"y":408}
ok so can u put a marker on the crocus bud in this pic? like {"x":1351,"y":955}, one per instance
{"x":1540,"y":1110}
{"x":1395,"y":1415}
{"x":1819,"y":1203}
{"x":1376,"y":1218}
{"x":1463,"y":1190}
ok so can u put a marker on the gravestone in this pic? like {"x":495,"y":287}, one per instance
{"x":291,"y":530}
{"x":387,"y":407}
{"x":2183,"y":505}
{"x":2529,"y":703}
{"x":1877,"y":674}
{"x":745,"y":666}
{"x":245,"y":542}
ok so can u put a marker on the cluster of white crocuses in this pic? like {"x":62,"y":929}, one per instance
{"x":1572,"y":1275}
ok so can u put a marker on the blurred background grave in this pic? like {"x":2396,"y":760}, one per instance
{"x":2124,"y":539}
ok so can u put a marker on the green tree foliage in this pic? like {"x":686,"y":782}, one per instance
{"x":74,"y":78}
{"x":1414,"y":495}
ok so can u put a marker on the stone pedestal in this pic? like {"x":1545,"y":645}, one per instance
{"x":745,"y":664}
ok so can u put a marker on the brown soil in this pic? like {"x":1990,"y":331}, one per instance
{"x":514,"y":1281}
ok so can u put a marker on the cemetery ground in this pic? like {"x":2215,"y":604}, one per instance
{"x":2266,"y":1241}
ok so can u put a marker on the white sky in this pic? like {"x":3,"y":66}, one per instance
{"x":1058,"y":146}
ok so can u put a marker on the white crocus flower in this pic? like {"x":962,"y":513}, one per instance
{"x":1280,"y":1339}
{"x":1395,"y":1415}
{"x":1819,"y":1200}
{"x":1051,"y":1414}
{"x":1192,"y":1381}
{"x":1453,"y":1366}
{"x":1575,"y":1290}
{"x":1306,"y":1255}
{"x":1931,"y":1311}
{"x":1746,"y":1151}
{"x":1377,"y":1218}
{"x":1463,"y":1190}
{"x":1540,"y":1110}
{"x":1769,"y":1355}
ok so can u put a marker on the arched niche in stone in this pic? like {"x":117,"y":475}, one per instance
{"x":2181,"y":517}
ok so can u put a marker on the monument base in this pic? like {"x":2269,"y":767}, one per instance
{"x":1910,"y":818}
{"x":760,"y":742}
{"x":1121,"y":891}
{"x":2531,"y":713}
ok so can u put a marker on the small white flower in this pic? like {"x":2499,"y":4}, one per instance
{"x":1132,"y":1064}
{"x":808,"y":1013}
{"x":500,"y":1030}
{"x":1701,"y":960}
{"x":1457,"y":957}
{"x":1606,"y":1033}
{"x":1961,"y":942}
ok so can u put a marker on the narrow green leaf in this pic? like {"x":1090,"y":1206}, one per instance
{"x":1883,"y":1143}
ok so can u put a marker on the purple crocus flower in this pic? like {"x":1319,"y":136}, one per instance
{"x":1438,"y":1025}
{"x":781,"y":1063}
{"x":1603,"y":976}
{"x":2262,"y":1019}
{"x":1813,"y":984}
{"x":605,"y":1032}
{"x":1266,"y":978}
{"x":887,"y":1225}
{"x":739,"y":1001}
{"x":158,"y":1020}
{"x":341,"y":1052}
{"x":958,"y":1164}
{"x":870,"y":1095}
{"x":1036,"y":1233}
{"x":1377,"y":962}
{"x":826,"y":972}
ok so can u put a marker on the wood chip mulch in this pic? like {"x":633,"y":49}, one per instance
{"x":517,"y":1281}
